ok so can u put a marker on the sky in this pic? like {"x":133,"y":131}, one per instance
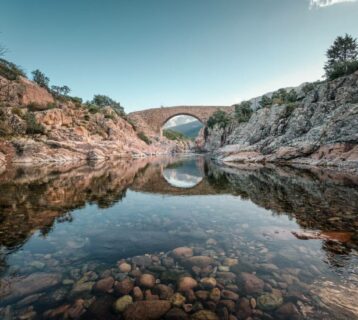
{"x":174,"y":52}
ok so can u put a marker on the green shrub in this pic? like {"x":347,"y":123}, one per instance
{"x":291,"y":96}
{"x":86,"y":117}
{"x":130,"y":121}
{"x":342,"y":69}
{"x":102,"y":101}
{"x":92,"y":108}
{"x":109,"y":116}
{"x":141,"y":135}
{"x":265,"y":101}
{"x":51,"y":105}
{"x":279,"y":97}
{"x":308,"y":87}
{"x":17,"y":111}
{"x":243,"y":111}
{"x":76,"y":100}
{"x":32,"y":126}
{"x":219,"y":118}
{"x":290,"y":107}
{"x":33,"y":106}
{"x":10,"y":70}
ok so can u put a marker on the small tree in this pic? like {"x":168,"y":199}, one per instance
{"x":105,"y":101}
{"x":265,"y":102}
{"x":60,"y":91}
{"x":279,"y":96}
{"x":291,"y":96}
{"x":2,"y":50}
{"x":342,"y":57}
{"x":219,"y":118}
{"x":243,"y":111}
{"x":40,"y":78}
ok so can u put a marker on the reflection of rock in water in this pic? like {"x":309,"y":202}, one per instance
{"x":317,"y":200}
{"x":338,"y":298}
{"x":33,"y":198}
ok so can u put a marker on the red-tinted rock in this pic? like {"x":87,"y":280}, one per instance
{"x":124,"y":287}
{"x":147,"y":310}
{"x":186,"y":283}
{"x":176,"y":314}
{"x":252,"y":283}
{"x":104,"y":285}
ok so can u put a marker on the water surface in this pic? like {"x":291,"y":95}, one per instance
{"x":296,"y":230}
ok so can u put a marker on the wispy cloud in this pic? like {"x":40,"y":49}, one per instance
{"x":326,"y":3}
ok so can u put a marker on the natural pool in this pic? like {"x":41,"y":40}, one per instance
{"x":254,"y":242}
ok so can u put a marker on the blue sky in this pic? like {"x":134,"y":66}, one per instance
{"x":148,"y":53}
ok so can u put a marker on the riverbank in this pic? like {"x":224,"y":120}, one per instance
{"x":39,"y":126}
{"x":319,"y":129}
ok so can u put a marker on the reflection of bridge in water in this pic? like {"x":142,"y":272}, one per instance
{"x":156,"y":181}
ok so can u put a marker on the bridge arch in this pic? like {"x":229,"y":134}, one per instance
{"x":152,"y":120}
{"x":177,"y":115}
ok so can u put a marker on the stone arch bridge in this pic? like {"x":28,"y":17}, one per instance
{"x":152,"y":120}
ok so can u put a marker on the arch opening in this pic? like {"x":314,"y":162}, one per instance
{"x":182,"y":125}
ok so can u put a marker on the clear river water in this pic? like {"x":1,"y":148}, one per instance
{"x":256,"y":242}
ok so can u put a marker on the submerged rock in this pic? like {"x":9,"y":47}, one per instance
{"x":15,"y":288}
{"x":269,"y":301}
{"x":176,"y":314}
{"x":147,"y":280}
{"x":186,"y":283}
{"x":122,"y":303}
{"x":104,"y":285}
{"x":208,"y":282}
{"x":124,"y":287}
{"x":125,"y":267}
{"x":147,"y":310}
{"x":199,"y":261}
{"x":182,"y":252}
{"x":82,"y":287}
{"x":252,"y":283}
{"x":177,"y":300}
{"x":142,"y":261}
{"x":204,"y":315}
{"x":288,"y":311}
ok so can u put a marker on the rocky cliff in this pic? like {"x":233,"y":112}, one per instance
{"x":36,"y":127}
{"x":321,"y":128}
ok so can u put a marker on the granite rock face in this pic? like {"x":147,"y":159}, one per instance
{"x":68,"y":131}
{"x":319,"y":129}
{"x":23,"y":92}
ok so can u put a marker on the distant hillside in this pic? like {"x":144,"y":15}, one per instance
{"x":173,"y":135}
{"x":190,"y":129}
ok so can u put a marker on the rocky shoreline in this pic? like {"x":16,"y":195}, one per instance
{"x":320,"y":129}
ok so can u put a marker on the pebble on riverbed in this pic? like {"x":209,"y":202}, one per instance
{"x":186,"y":283}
